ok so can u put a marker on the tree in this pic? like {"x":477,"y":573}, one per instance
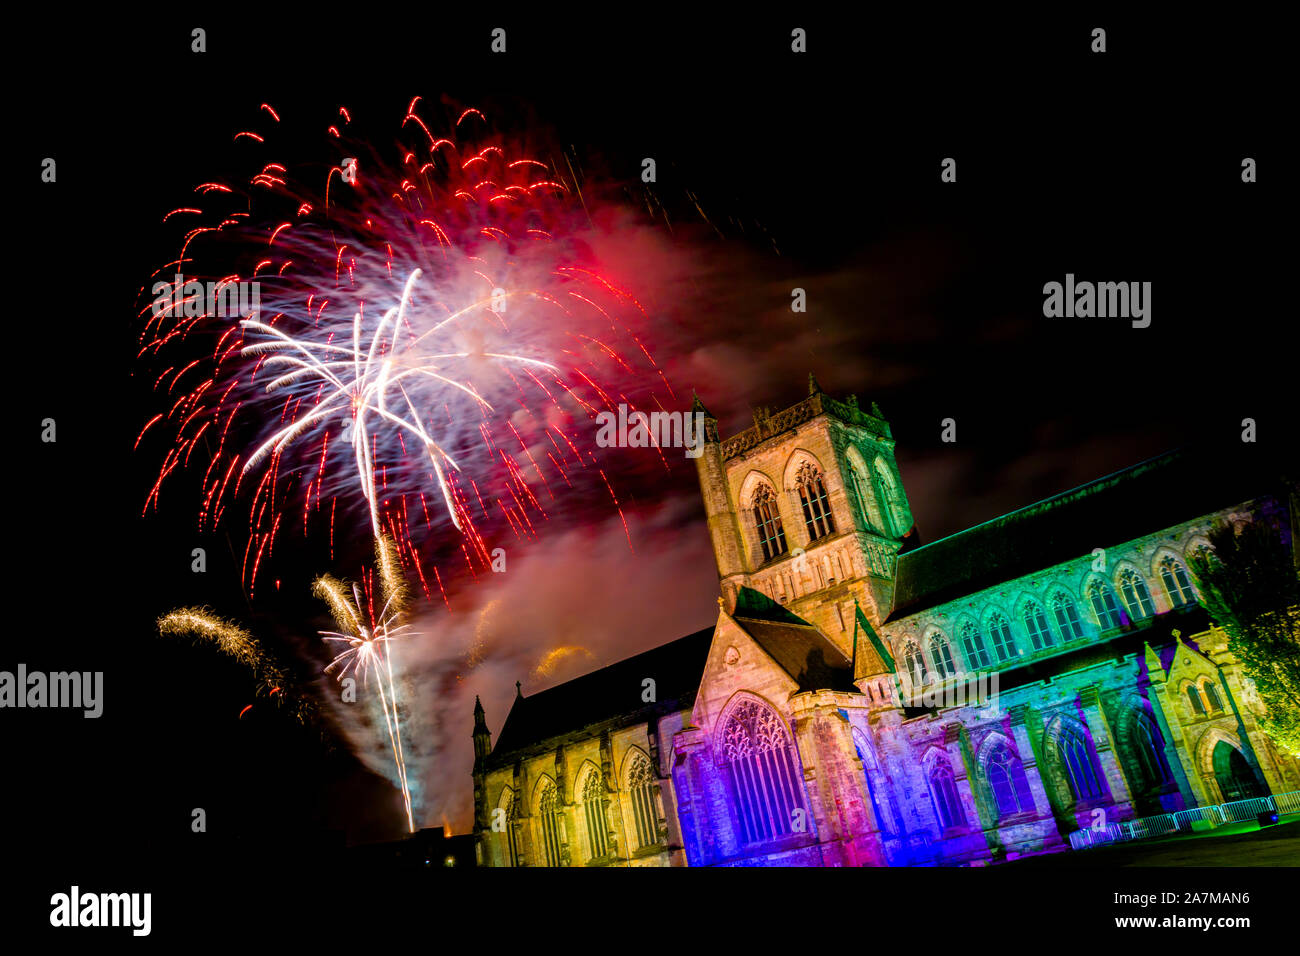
{"x":1249,"y":585}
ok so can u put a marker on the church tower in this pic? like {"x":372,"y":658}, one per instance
{"x":807,"y":507}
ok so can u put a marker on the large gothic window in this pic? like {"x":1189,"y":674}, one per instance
{"x":548,"y":811}
{"x":1194,"y":698}
{"x":941,"y":656}
{"x":1080,"y":770}
{"x":1067,"y":617}
{"x":1007,"y":782}
{"x":1004,"y":645}
{"x":1176,"y":582}
{"x":972,"y":642}
{"x":593,"y":810}
{"x":1040,"y":634}
{"x":764,"y":772}
{"x":943,"y":794}
{"x":1136,"y":596}
{"x":645,"y":815}
{"x":510,"y":838}
{"x":1149,"y":752}
{"x":1104,"y":605}
{"x":812,"y":498}
{"x":767,"y":518}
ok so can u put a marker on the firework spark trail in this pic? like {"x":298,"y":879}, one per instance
{"x":407,"y":316}
{"x":237,"y":643}
{"x":369,"y":635}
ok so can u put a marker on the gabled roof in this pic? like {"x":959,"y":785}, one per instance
{"x":1148,"y":497}
{"x":810,"y":658}
{"x":610,"y":696}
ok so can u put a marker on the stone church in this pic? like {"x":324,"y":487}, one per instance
{"x":824,"y":719}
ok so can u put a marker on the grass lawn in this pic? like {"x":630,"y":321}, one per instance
{"x":1236,"y":844}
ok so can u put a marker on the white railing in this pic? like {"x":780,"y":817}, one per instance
{"x":1288,"y":802}
{"x":1166,"y":823}
{"x":1211,"y":815}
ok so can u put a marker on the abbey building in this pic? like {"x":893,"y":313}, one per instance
{"x":814,"y":722}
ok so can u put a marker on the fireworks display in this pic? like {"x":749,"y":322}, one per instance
{"x":415,"y":346}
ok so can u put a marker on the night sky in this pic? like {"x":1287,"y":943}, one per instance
{"x":820,"y":172}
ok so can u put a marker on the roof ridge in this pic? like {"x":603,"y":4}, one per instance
{"x":1131,"y":470}
{"x":622,"y":660}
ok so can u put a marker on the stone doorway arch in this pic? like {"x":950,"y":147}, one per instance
{"x":1233,"y":774}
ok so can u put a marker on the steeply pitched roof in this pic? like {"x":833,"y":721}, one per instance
{"x":1155,"y":494}
{"x":810,"y":658}
{"x":611,"y":696}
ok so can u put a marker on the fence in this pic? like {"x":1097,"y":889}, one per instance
{"x":1167,"y":823}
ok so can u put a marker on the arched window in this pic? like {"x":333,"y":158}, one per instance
{"x":1212,"y":696}
{"x":1081,"y":772}
{"x":1104,"y":605}
{"x":944,"y":796}
{"x":549,"y":819}
{"x":972,"y":642}
{"x":593,"y":808}
{"x":941,"y":656}
{"x":1176,"y":582}
{"x":1067,"y":617}
{"x":1150,"y":752}
{"x":764,"y":773}
{"x":1194,"y":698}
{"x":767,"y":518}
{"x":816,"y":506}
{"x":914,"y":660}
{"x":887,"y":495}
{"x":858,"y":485}
{"x":641,"y":786}
{"x":1040,"y":635}
{"x":510,"y":838}
{"x":1004,"y":644}
{"x":1136,"y":596}
{"x":1007,"y":782}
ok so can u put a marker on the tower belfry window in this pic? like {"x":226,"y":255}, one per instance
{"x":814,"y":502}
{"x":858,"y":485}
{"x":768,"y":521}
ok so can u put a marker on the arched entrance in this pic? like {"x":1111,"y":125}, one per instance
{"x":1233,"y":774}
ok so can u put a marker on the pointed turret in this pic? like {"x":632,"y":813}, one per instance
{"x":482,"y":736}
{"x":482,"y":747}
{"x":697,"y":405}
{"x":1155,"y":670}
